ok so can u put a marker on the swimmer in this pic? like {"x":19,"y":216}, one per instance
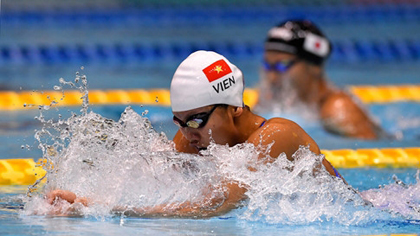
{"x":207,"y":103}
{"x":293,"y":78}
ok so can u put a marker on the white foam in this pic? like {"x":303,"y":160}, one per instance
{"x":127,"y":163}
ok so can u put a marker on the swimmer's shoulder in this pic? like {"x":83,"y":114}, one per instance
{"x":346,"y":115}
{"x":281,"y":126}
{"x":279,"y":121}
{"x":341,"y":104}
{"x":286,"y":135}
{"x":338,"y":99}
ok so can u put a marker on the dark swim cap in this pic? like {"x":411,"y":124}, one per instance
{"x":299,"y":37}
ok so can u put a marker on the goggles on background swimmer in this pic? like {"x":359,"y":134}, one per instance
{"x":196,"y":121}
{"x":280,"y":66}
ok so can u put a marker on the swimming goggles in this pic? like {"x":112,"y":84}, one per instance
{"x":281,"y":66}
{"x":196,"y":121}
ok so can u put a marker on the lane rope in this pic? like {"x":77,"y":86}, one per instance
{"x":345,"y":51}
{"x":11,"y":100}
{"x":27,"y":171}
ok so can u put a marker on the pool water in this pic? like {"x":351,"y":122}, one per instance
{"x":133,"y":174}
{"x":14,"y":222}
{"x":399,"y":119}
{"x":125,"y":44}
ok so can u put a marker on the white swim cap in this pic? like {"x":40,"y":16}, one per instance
{"x":206,"y":78}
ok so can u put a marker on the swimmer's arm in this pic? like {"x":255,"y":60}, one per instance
{"x":286,"y":137}
{"x":341,"y":115}
{"x":212,"y":206}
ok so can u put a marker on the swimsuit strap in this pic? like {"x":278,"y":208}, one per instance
{"x":336,"y":172}
{"x":262,"y":123}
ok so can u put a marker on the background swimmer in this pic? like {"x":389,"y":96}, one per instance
{"x":294,"y":80}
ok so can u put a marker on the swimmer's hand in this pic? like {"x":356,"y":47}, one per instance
{"x":65,"y":203}
{"x":55,"y":195}
{"x":70,"y":197}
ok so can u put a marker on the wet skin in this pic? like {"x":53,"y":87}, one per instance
{"x":229,"y":125}
{"x":235,"y":125}
{"x":338,"y":111}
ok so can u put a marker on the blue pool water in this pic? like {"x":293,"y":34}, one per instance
{"x":14,"y":223}
{"x":400,"y":119}
{"x":124,"y":45}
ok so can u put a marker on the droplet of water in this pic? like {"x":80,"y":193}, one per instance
{"x":84,"y":80}
{"x":57,"y":87}
{"x":93,"y":155}
{"x":157,"y":99}
{"x":51,"y":151}
{"x":24,"y":105}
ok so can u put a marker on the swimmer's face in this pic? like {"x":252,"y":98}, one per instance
{"x":281,"y":68}
{"x":218,"y":122}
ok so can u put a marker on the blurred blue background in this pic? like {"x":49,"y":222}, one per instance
{"x":138,"y":44}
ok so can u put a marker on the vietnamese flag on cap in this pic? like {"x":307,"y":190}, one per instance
{"x":217,"y":70}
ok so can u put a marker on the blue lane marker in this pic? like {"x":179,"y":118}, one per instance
{"x":345,"y":51}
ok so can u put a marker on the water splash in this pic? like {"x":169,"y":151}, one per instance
{"x":127,"y":163}
{"x":94,"y":157}
{"x":290,"y":192}
{"x":397,"y":198}
{"x":280,"y":98}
